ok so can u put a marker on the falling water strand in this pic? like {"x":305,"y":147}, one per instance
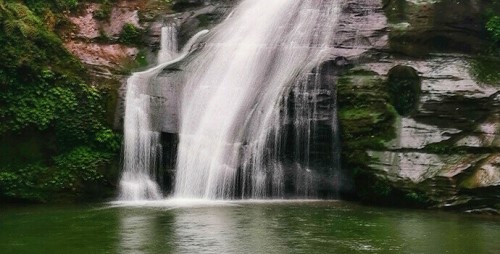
{"x":168,"y":45}
{"x":142,"y":147}
{"x":232,"y":104}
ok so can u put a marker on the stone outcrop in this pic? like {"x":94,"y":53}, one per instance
{"x":441,"y":151}
{"x":416,"y":124}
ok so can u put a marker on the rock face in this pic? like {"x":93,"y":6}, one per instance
{"x":422,"y":26}
{"x":416,"y":125}
{"x":435,"y":145}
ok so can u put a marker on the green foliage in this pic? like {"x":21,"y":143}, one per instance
{"x":103,"y":37}
{"x":141,"y":59}
{"x":104,"y":13}
{"x":139,"y":62}
{"x":68,"y":174}
{"x":491,"y":19}
{"x":131,"y":35}
{"x":22,"y":183}
{"x":485,"y":70}
{"x":57,"y":5}
{"x":36,"y":104}
{"x":43,"y":91}
{"x":107,"y":140}
{"x":493,"y":27}
{"x":80,"y":164}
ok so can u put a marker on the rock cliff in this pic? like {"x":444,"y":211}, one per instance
{"x":419,"y":125}
{"x":418,"y":121}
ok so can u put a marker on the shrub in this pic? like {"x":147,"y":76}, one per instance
{"x":44,"y":91}
{"x":493,"y":27}
{"x":131,"y":35}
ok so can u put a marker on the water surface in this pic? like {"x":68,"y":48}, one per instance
{"x":242,"y":227}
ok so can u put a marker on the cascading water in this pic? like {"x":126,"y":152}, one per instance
{"x":142,"y":148}
{"x":234,"y":100}
{"x":168,"y":44}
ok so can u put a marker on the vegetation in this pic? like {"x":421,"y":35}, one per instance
{"x":485,"y":69}
{"x":44,"y":92}
{"x":131,"y":35}
{"x":493,"y":27}
{"x":104,"y":13}
{"x":67,"y":176}
{"x":365,"y":114}
{"x":366,"y":120}
{"x":492,"y":17}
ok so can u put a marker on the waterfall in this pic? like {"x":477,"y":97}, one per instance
{"x":234,"y":112}
{"x":168,"y":44}
{"x":142,"y":147}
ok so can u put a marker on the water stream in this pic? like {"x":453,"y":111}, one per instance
{"x":142,"y":147}
{"x":248,"y":109}
{"x":235,"y":97}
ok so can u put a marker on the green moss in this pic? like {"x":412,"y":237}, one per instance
{"x":444,"y":148}
{"x":362,"y":114}
{"x":139,"y":62}
{"x":104,"y":12}
{"x":485,"y":70}
{"x":365,"y":116}
{"x":131,"y":35}
{"x":141,"y":59}
{"x":469,"y":183}
{"x":366,"y":120}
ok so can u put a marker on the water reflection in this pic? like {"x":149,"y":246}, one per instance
{"x":244,"y":227}
{"x":144,"y":231}
{"x":198,"y":230}
{"x":218,"y":229}
{"x":312,"y":227}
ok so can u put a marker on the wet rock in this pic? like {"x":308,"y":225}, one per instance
{"x":421,"y":27}
{"x":443,"y":150}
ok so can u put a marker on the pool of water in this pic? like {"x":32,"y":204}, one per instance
{"x":181,"y":226}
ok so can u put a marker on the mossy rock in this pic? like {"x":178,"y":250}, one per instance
{"x":404,"y":87}
{"x":365,"y":114}
{"x":422,"y":27}
{"x":366,"y":121}
{"x":485,"y":69}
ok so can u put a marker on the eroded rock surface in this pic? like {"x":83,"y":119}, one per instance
{"x":444,"y":153}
